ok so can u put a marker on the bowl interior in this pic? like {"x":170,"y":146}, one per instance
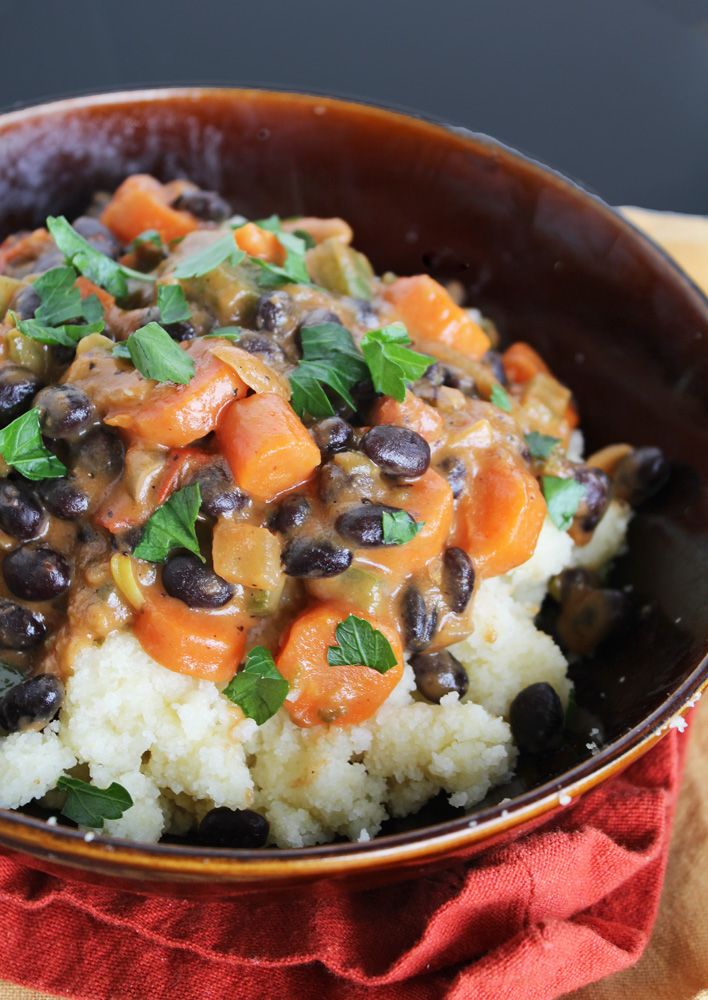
{"x":548,"y":262}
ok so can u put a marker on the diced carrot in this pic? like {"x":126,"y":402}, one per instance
{"x":341,"y":696}
{"x":257,"y":242}
{"x":266,"y":445}
{"x":87,"y":288}
{"x":429,"y":501}
{"x":433,"y":318}
{"x":500,"y":516}
{"x":19,"y":248}
{"x":413,"y":413}
{"x":521,"y":362}
{"x":140,"y":203}
{"x":176,"y":415}
{"x":205,"y":644}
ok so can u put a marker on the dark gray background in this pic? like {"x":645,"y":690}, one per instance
{"x":613,"y":92}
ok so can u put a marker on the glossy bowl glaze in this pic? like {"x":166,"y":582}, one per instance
{"x":551,"y":264}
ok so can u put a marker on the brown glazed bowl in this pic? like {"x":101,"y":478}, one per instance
{"x":551,"y":264}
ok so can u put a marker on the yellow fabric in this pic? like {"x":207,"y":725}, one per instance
{"x":675,"y":965}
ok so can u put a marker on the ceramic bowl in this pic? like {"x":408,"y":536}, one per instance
{"x":551,"y":264}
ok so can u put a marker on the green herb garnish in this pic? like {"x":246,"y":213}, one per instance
{"x":540,"y":445}
{"x":92,"y":310}
{"x":171,"y":526}
{"x":22,"y":447}
{"x":391,"y":362}
{"x":148,"y":236}
{"x":89,"y":261}
{"x":225,"y":332}
{"x":399,"y":527}
{"x":330,"y":358}
{"x":500,"y":398}
{"x":360,"y":644}
{"x":156,"y":355}
{"x":562,"y":499}
{"x":204,"y":261}
{"x":67,"y":335}
{"x":60,"y":299}
{"x":88,"y":805}
{"x":305,"y":237}
{"x":172,"y":303}
{"x":259,"y":689}
{"x":292,"y":270}
{"x":10,"y":676}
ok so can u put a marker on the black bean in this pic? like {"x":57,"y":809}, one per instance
{"x":63,"y":500}
{"x":47,"y":260}
{"x":26,"y":302}
{"x":98,"y":235}
{"x":536,"y":718}
{"x":292,"y":512}
{"x":274,"y":312}
{"x":20,"y":513}
{"x":437,"y":674}
{"x":419,"y":624}
{"x":458,"y":579}
{"x":206,"y":205}
{"x":455,"y":471}
{"x":99,"y":453}
{"x":65,"y":411}
{"x":20,"y":628}
{"x":573,"y":579}
{"x":223,"y":827}
{"x":332,"y":435}
{"x":458,"y":380}
{"x":494,"y":360}
{"x":181,"y":330}
{"x":366,"y":314}
{"x":17,"y":389}
{"x":316,"y":317}
{"x":640,"y":475}
{"x":31,"y":704}
{"x":219,"y":493}
{"x":310,"y":558}
{"x":36,"y":574}
{"x":596,"y":498}
{"x":363,"y":524}
{"x":589,"y":616}
{"x":262,"y":346}
{"x":189,"y":580}
{"x":397,"y":451}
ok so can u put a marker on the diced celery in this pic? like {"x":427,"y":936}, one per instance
{"x":8,"y":287}
{"x":340,"y":268}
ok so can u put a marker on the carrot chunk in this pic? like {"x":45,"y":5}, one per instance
{"x":521,"y":362}
{"x":257,"y":242}
{"x":500,"y":516}
{"x":432,"y":317}
{"x":266,"y":445}
{"x":141,"y":203}
{"x":176,"y":415}
{"x":413,"y":413}
{"x":205,"y":644}
{"x":341,"y":695}
{"x":87,"y":288}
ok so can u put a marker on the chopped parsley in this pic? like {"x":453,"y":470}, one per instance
{"x":500,"y":398}
{"x":259,"y":689}
{"x":60,"y":299}
{"x":330,"y":358}
{"x":220,"y":252}
{"x":391,"y":362}
{"x":67,"y":335}
{"x":88,"y":805}
{"x":540,"y":445}
{"x":156,"y":355}
{"x":172,"y":303}
{"x":22,"y":447}
{"x":360,"y":644}
{"x":171,"y":526}
{"x":399,"y":527}
{"x":89,"y":261}
{"x":563,"y":497}
{"x":293,"y":270}
{"x":226,"y":332}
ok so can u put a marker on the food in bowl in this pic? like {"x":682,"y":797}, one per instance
{"x":277,"y":531}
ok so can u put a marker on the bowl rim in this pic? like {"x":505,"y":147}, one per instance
{"x":71,"y":847}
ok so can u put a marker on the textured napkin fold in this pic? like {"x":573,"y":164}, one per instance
{"x":565,"y":905}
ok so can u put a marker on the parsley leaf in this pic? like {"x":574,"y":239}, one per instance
{"x":500,"y":398}
{"x":172,"y":304}
{"x":292,"y":270}
{"x":306,"y":238}
{"x":22,"y":447}
{"x":92,"y":309}
{"x":171,"y":526}
{"x":272,"y":223}
{"x":206,"y":260}
{"x":225,"y":332}
{"x":89,"y":806}
{"x":562,"y":498}
{"x":66,"y":336}
{"x":60,"y":299}
{"x":96,"y":266}
{"x":330,"y":358}
{"x":361,"y":644}
{"x":156,"y":355}
{"x":540,"y":445}
{"x":148,"y":236}
{"x":391,"y":362}
{"x":10,"y":677}
{"x":399,"y":527}
{"x":259,"y":689}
